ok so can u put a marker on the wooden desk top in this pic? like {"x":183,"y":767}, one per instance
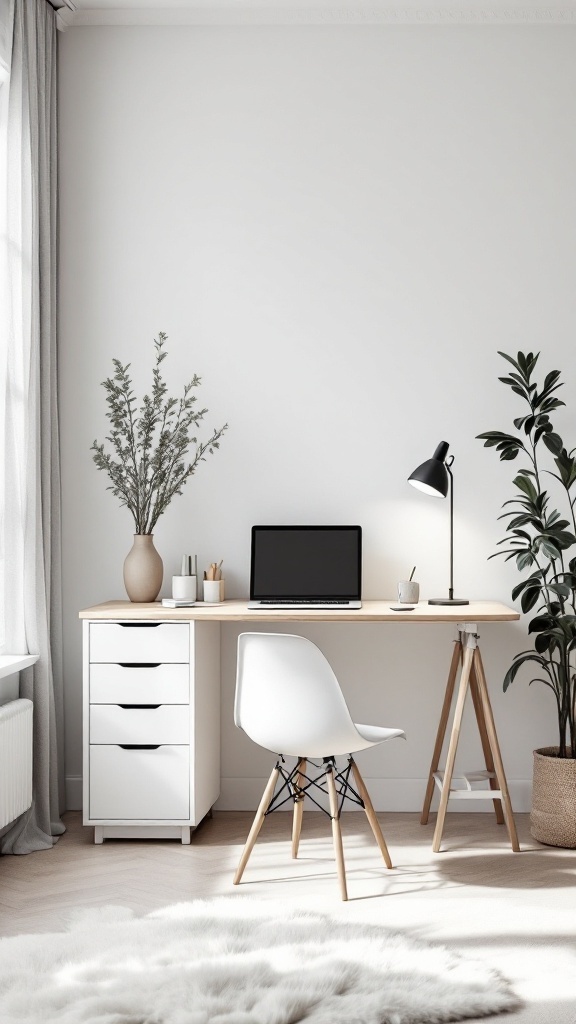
{"x":237,"y":611}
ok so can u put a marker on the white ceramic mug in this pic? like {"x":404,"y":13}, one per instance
{"x":408,"y":592}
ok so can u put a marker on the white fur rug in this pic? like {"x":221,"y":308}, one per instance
{"x":236,"y":961}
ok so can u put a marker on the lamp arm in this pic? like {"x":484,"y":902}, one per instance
{"x":448,"y":463}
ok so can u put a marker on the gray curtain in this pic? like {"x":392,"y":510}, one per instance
{"x":35,"y":622}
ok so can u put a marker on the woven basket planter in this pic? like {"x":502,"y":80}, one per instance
{"x":553,"y":816}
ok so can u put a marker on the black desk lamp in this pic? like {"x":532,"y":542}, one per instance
{"x":435,"y":477}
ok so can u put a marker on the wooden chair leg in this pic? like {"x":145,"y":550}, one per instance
{"x":299,"y":778}
{"x":370,"y":813}
{"x":336,"y":833}
{"x":453,"y":747}
{"x":480,"y":719}
{"x":495,"y":748}
{"x":257,"y":824}
{"x":456,"y":659}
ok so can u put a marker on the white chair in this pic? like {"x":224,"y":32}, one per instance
{"x":288,"y":700}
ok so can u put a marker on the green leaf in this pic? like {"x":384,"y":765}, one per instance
{"x":524,"y":484}
{"x":542,"y":643}
{"x":552,"y":403}
{"x":548,"y":548}
{"x":493,"y":437}
{"x":510,"y":359}
{"x":539,"y":623}
{"x":524,"y":559}
{"x":566,"y":468}
{"x":550,"y":384}
{"x":521,"y":420}
{"x":529,"y":598}
{"x":519,"y":588}
{"x":520,"y":660}
{"x":513,"y":380}
{"x":541,"y":431}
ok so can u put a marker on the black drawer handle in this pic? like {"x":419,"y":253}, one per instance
{"x":139,"y":746}
{"x":143,"y":707}
{"x":139,"y":625}
{"x":139,"y":664}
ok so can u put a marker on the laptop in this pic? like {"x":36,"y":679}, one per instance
{"x":306,"y":567}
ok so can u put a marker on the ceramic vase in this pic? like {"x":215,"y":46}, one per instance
{"x":143,"y":569}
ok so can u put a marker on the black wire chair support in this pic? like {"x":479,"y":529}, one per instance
{"x":296,"y":791}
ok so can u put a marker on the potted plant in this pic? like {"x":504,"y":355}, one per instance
{"x":148,"y":465}
{"x":540,"y":539}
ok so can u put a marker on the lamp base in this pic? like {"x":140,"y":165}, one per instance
{"x":448,"y":600}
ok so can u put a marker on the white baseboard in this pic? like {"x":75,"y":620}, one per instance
{"x":386,"y":794}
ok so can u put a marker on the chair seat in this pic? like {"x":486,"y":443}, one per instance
{"x":377,"y":734}
{"x":360,"y":737}
{"x":339,"y":742}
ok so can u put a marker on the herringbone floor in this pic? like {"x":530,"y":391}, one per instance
{"x":517,"y":911}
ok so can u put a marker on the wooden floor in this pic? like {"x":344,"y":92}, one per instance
{"x":516,"y":911}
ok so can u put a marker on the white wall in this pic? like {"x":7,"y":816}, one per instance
{"x":338,"y":227}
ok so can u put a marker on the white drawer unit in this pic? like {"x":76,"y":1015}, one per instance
{"x":134,"y":683}
{"x":138,"y":642}
{"x":143,"y":782}
{"x":144,"y":723}
{"x":151,"y":726}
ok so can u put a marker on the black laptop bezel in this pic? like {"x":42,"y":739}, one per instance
{"x":305,"y":598}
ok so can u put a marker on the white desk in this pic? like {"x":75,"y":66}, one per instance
{"x":137,"y":651}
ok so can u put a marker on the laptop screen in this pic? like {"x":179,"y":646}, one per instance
{"x":306,"y":562}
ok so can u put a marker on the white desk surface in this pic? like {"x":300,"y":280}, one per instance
{"x":237,"y":611}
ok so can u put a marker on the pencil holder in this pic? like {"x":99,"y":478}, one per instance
{"x":213,"y":591}
{"x":408,"y":592}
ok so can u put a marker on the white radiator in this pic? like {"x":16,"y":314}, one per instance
{"x":15,"y":759}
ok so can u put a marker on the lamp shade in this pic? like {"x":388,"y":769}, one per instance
{"x":432,"y":476}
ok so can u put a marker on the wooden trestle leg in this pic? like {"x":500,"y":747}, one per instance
{"x":452,"y":748}
{"x":495,"y":747}
{"x":456,"y":659}
{"x":480,"y":719}
{"x":467,"y":652}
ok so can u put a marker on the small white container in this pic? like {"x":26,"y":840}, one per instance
{"x":213,"y":591}
{"x":408,"y":592}
{"x":184,"y":588}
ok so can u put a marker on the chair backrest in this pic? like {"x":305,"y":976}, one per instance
{"x":288,"y":698}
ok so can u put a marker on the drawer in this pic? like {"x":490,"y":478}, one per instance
{"x":111,"y":723}
{"x":139,"y":684}
{"x":137,"y":642}
{"x":140,"y":784}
